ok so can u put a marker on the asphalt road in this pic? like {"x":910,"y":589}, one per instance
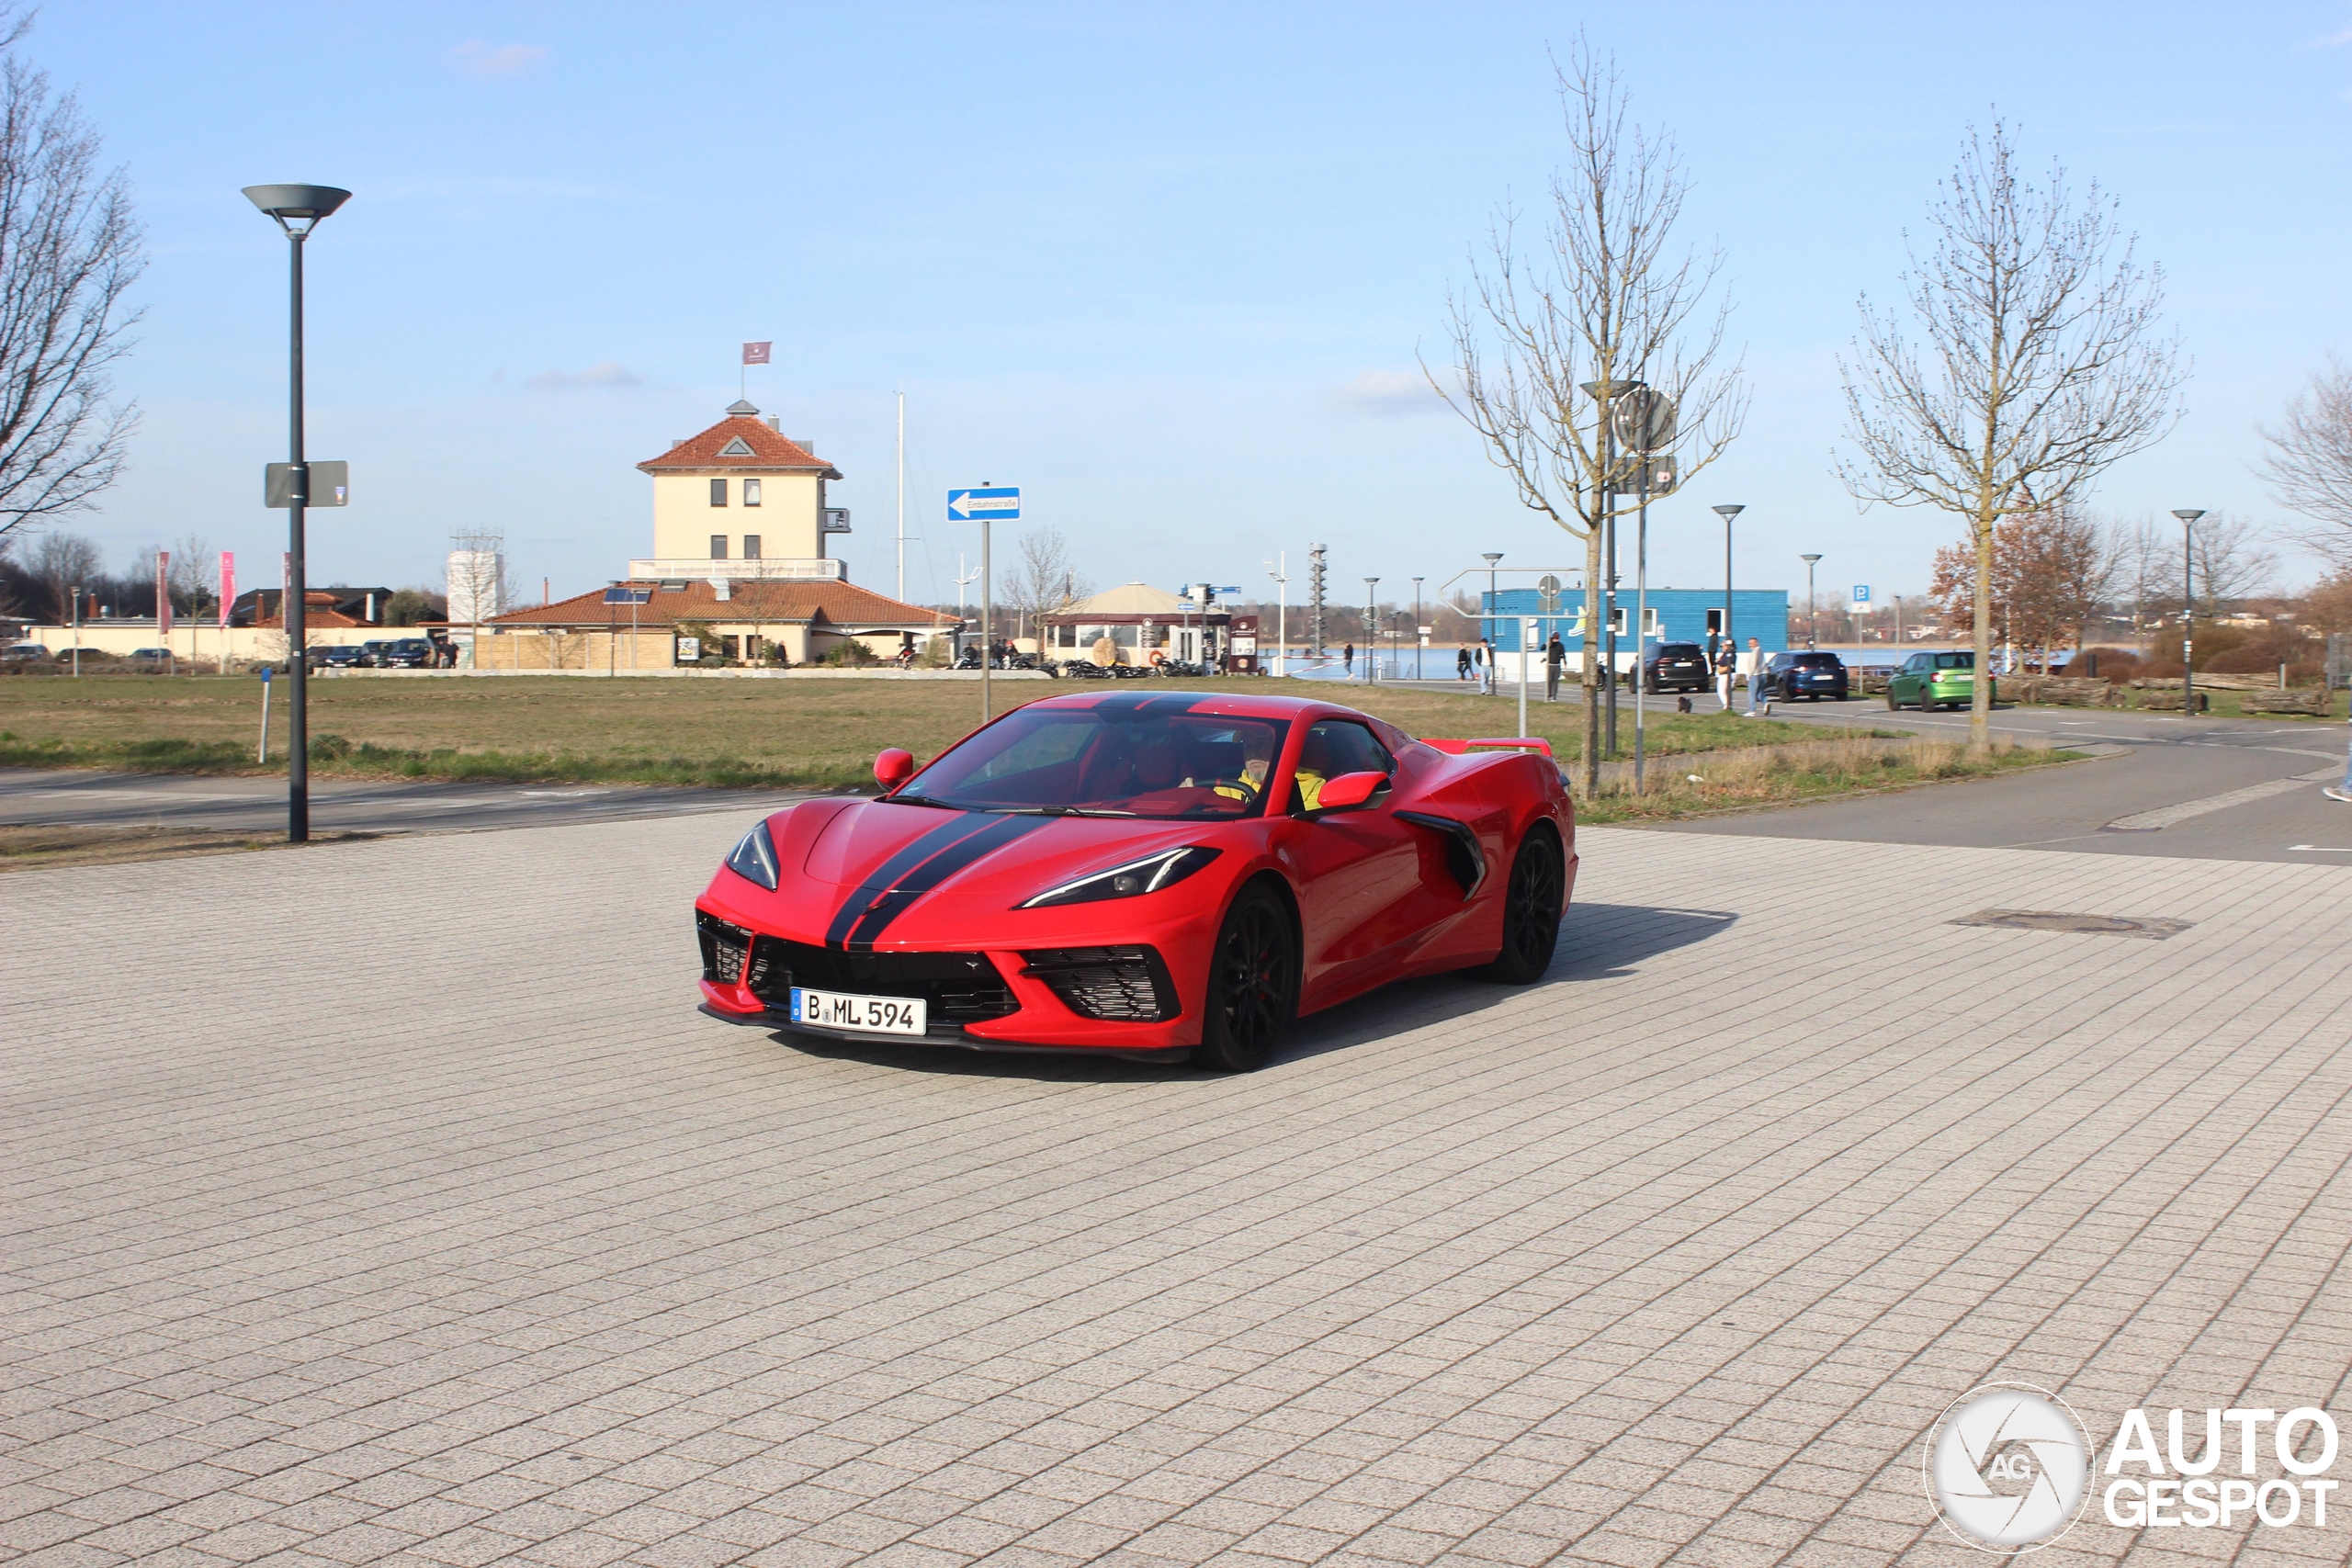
{"x":33,"y":796}
{"x":2202,"y":788}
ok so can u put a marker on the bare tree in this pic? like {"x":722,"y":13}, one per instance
{"x":65,"y":561}
{"x":2309,"y":462}
{"x":69,"y":250}
{"x":2141,"y":573}
{"x":2035,"y":363}
{"x":1046,"y":577}
{"x":1602,"y":299}
{"x":193,"y":575}
{"x":2230,"y":560}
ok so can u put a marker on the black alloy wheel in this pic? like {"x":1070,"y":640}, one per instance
{"x":1532,"y":904}
{"x":1253,"y":986}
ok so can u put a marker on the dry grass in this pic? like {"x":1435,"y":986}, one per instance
{"x":1776,"y":774}
{"x":714,"y":732}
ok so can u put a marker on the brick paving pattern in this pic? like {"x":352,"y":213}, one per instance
{"x":388,"y":1203}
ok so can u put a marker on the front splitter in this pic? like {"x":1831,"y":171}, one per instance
{"x":783,"y":1021}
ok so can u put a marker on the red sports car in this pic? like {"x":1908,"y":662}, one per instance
{"x":1155,"y":876}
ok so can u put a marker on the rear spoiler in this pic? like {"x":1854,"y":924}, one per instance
{"x":1511,"y":743}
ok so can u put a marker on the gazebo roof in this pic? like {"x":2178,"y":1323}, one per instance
{"x":1127,"y":599}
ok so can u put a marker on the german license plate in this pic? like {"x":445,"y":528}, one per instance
{"x":868,"y":1015}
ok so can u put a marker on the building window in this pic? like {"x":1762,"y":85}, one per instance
{"x":751,"y":547}
{"x":718,"y":492}
{"x":751,"y":492}
{"x":719,"y":546}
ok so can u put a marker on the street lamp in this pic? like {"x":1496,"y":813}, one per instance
{"x":1727,"y":514}
{"x":297,"y":209}
{"x":2189,"y":517}
{"x":1812,"y":620}
{"x":1279,"y":570}
{"x":1371,"y":632}
{"x":1417,"y":629}
{"x":1486,"y":621}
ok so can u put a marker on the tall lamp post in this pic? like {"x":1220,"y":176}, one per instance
{"x":1812,"y":618}
{"x":1279,"y":570}
{"x":1371,"y":633}
{"x":1486,"y":621}
{"x":1727,"y":514}
{"x":1417,"y":629}
{"x":297,"y":209}
{"x":2189,"y":517}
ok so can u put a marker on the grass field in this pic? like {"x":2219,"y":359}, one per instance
{"x":718,"y":732}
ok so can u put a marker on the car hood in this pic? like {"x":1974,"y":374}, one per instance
{"x":852,"y":870}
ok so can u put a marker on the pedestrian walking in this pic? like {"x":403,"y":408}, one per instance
{"x":1485,"y":659}
{"x":1726,"y":665}
{"x":1461,"y":662}
{"x":1751,"y":665}
{"x":1555,"y":656}
{"x":1347,"y":660}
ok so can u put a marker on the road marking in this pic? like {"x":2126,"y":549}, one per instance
{"x":2151,"y":821}
{"x":2324,"y":849}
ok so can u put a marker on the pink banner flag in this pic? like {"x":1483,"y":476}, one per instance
{"x":756,"y":353}
{"x":285,"y":584}
{"x":228,"y":585}
{"x":163,"y":593}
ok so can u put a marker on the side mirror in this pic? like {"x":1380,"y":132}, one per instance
{"x":894,"y":767}
{"x":1351,"y":791}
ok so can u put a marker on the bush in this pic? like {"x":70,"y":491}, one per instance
{"x":851,"y":654}
{"x":2115,"y":665}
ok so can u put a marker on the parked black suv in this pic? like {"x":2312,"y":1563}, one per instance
{"x":407,"y":653}
{"x":1812,"y":676}
{"x":1677,"y":667}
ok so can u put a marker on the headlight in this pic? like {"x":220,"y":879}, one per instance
{"x":1146,"y":875}
{"x":755,"y":858}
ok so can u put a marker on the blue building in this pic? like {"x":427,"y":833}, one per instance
{"x":1676,"y":615}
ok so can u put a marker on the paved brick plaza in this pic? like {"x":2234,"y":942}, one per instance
{"x":389,"y":1203}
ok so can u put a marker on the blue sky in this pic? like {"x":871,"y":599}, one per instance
{"x":1166,"y":267}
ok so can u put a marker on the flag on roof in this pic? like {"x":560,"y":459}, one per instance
{"x":756,"y":353}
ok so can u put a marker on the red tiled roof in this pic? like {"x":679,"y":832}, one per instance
{"x":769,"y":451}
{"x":772,"y":600}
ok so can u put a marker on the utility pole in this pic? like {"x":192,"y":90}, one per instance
{"x":1279,"y":570}
{"x":903,"y":498}
{"x":2188,"y":517}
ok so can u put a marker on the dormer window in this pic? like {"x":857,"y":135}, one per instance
{"x":737,"y":447}
{"x":751,"y":492}
{"x":718,"y":492}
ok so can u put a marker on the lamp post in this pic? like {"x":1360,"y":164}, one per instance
{"x":1417,"y":629}
{"x":297,"y":209}
{"x":1812,"y":620}
{"x":1486,"y":621}
{"x":2189,"y":517}
{"x":1371,"y":633}
{"x":1727,"y":514}
{"x":1279,"y":570}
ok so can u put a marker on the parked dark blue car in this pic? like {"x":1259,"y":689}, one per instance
{"x":1810,"y":675}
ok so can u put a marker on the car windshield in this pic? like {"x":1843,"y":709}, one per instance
{"x":1679,"y":650}
{"x":1955,"y":661}
{"x":1114,"y":758}
{"x":1817,"y":661}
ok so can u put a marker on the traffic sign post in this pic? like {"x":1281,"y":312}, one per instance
{"x":987,"y":504}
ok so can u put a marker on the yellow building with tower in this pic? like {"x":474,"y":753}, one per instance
{"x":742,"y":499}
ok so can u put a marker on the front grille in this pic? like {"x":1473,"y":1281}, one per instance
{"x":962,"y":987}
{"x":1122,"y":984}
{"x":723,"y":946}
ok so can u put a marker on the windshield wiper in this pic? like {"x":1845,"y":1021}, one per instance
{"x":1054,"y":811}
{"x":917,"y":800}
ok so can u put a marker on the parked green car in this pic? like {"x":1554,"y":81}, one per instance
{"x":1936,"y":680}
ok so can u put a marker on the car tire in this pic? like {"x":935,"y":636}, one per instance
{"x":1253,"y":992}
{"x":1534,"y":901}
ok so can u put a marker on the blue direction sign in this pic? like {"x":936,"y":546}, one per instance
{"x":1001,"y":504}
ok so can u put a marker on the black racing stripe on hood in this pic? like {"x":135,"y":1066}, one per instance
{"x":910,"y":855}
{"x":879,"y":912}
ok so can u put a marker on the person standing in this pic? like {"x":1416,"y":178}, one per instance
{"x":1726,"y":662}
{"x":1555,"y":656}
{"x":1486,"y":660}
{"x":1751,"y":665}
{"x":1461,"y":662}
{"x":1347,"y":660}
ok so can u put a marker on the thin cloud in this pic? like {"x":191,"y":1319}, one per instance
{"x":489,"y":62}
{"x":607,"y":375}
{"x":1386,"y":393}
{"x":2333,"y":40}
